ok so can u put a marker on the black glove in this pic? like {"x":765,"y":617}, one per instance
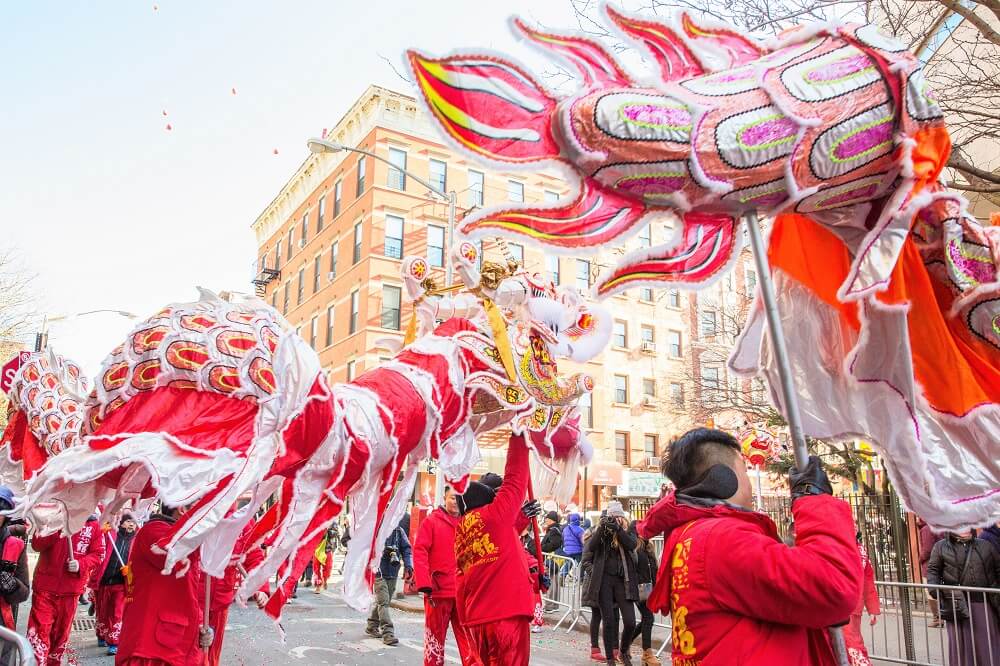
{"x":531,"y":509}
{"x":424,"y":590}
{"x":810,"y":481}
{"x":8,"y":584}
{"x":544,"y":582}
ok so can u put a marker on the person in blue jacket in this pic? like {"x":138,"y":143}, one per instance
{"x":397,"y":554}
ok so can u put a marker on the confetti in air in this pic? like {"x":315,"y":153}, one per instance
{"x":164,"y":113}
{"x":323,"y":135}
{"x":275,"y":151}
{"x":169,"y":127}
{"x":155,"y":7}
{"x":232,"y":90}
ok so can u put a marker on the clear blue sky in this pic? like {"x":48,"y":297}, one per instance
{"x":110,"y":209}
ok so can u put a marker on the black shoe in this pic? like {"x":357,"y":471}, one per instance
{"x":373,"y":632}
{"x":91,"y":611}
{"x":389,"y":639}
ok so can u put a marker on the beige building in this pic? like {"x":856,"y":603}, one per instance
{"x":329,"y":250}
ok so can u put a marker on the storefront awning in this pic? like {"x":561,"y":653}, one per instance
{"x":604,"y":473}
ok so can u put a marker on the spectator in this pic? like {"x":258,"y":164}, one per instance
{"x":434,"y":571}
{"x":646,"y":568}
{"x":867,"y":600}
{"x":612,"y":583}
{"x":396,"y":554}
{"x":553,"y":540}
{"x":927,"y":540}
{"x":323,"y":558}
{"x":14,"y":587}
{"x":992,"y":535}
{"x":736,"y":593}
{"x":572,"y":537}
{"x":970,"y":618}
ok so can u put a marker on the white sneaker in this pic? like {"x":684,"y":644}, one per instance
{"x":535,"y":629}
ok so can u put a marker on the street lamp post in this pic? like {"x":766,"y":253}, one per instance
{"x":41,"y":338}
{"x":450,"y":197}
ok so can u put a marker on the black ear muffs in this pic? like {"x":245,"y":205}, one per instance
{"x":476,"y":495}
{"x":719,"y":482}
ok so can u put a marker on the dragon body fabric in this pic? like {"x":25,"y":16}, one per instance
{"x":887,"y":287}
{"x":209,"y":402}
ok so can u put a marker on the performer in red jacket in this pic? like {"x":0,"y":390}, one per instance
{"x":161,"y":625}
{"x":736,"y":593}
{"x":857,"y":653}
{"x":495,"y":597}
{"x":58,"y":582}
{"x":224,"y":591}
{"x":434,"y":571}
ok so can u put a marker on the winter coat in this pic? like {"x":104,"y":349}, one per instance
{"x":22,"y":588}
{"x":869,"y":594}
{"x":162,"y":612}
{"x":493,"y":582}
{"x":738,"y":595}
{"x":595,"y":559}
{"x":400,"y":544}
{"x":645,"y":558}
{"x":50,"y":572}
{"x":111,"y":568}
{"x":948,"y":559}
{"x":992,"y":535}
{"x":553,"y":539}
{"x":434,"y":555}
{"x":572,"y":536}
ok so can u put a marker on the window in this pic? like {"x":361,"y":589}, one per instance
{"x":583,"y":275}
{"x":619,"y":334}
{"x":301,"y":290}
{"x":621,"y":448}
{"x":439,"y":174}
{"x":317,"y":268}
{"x":517,"y":251}
{"x":646,"y":236}
{"x":673,"y":298}
{"x":338,"y":192}
{"x":649,"y":388}
{"x":390,"y":306}
{"x":312,"y":332}
{"x":305,"y":228}
{"x":676,"y":394}
{"x":351,"y":371}
{"x":277,"y":255}
{"x":515,"y":191}
{"x":648,"y":334}
{"x":284,"y":303}
{"x":646,"y":294}
{"x":551,"y":197}
{"x":674,"y":346}
{"x":334,"y":251}
{"x":360,"y":188}
{"x":329,"y":325}
{"x":710,"y":379}
{"x":707,"y":323}
{"x":320,"y":213}
{"x":352,"y":326}
{"x":475,"y":188}
{"x":274,"y":299}
{"x":393,"y":237}
{"x":356,"y":256}
{"x":291,"y":242}
{"x":621,"y":389}
{"x":649,"y":446}
{"x":586,"y":408}
{"x":552,"y":266}
{"x":749,"y":280}
{"x":435,"y":245}
{"x":397,"y":172}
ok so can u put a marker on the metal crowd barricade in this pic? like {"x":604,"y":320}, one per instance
{"x":15,"y":649}
{"x":905,"y":632}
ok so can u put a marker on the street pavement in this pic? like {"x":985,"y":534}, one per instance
{"x":322,"y":629}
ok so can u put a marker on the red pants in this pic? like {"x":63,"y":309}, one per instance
{"x":321,"y":572}
{"x":110,"y":603}
{"x":502,"y":643}
{"x":857,"y":654}
{"x":49,"y":625}
{"x":217,"y":619}
{"x":437,"y":615}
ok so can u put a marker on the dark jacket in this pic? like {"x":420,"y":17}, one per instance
{"x":992,"y":535}
{"x":595,"y":561}
{"x":553,"y":539}
{"x":646,"y":564}
{"x":112,"y":574}
{"x":572,"y":536}
{"x":397,"y":544}
{"x":948,"y":566}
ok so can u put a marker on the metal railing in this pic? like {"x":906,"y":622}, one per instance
{"x":15,"y":649}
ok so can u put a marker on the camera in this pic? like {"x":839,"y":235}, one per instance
{"x":393,"y":555}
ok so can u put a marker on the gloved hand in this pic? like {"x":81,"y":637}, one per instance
{"x":8,"y":583}
{"x":205,"y":637}
{"x":810,"y":481}
{"x":259,"y":598}
{"x":544,"y":582}
{"x":73,"y":566}
{"x":531,"y":508}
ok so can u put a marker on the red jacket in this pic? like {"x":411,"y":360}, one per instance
{"x":738,"y":595}
{"x":434,"y":554}
{"x":224,"y":591}
{"x":162,"y":613}
{"x":50,"y":572}
{"x":494,"y":581}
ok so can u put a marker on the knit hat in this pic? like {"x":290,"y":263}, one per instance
{"x":615,"y":509}
{"x":492,"y":480}
{"x":553,"y":516}
{"x":127,"y":516}
{"x":476,"y":495}
{"x":6,"y":498}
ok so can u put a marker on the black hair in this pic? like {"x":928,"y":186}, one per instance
{"x":692,"y":454}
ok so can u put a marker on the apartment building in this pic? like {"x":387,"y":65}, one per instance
{"x":331,"y":241}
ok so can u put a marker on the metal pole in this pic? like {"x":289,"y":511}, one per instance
{"x":208,"y":605}
{"x":792,"y":414}
{"x":452,"y":202}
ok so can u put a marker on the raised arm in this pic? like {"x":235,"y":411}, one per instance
{"x":656,"y":521}
{"x":515,"y":480}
